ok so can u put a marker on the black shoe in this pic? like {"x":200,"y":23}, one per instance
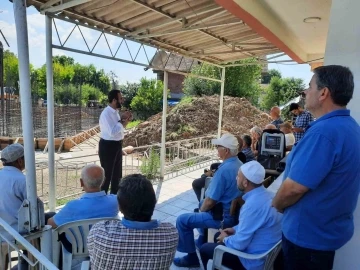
{"x":196,"y":210}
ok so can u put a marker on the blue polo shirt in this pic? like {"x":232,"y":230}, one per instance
{"x":326,"y":160}
{"x":223,"y":186}
{"x":89,"y":205}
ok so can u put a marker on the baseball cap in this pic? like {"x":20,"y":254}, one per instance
{"x":253,"y":171}
{"x":12,"y":152}
{"x":227,"y":140}
{"x":286,"y":125}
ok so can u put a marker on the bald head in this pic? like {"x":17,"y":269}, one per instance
{"x":270,"y":126}
{"x":275,"y":112}
{"x":92,"y":176}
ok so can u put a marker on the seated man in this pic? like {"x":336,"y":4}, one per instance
{"x":215,"y":208}
{"x":199,"y":183}
{"x":137,"y":241}
{"x":286,"y":128}
{"x":93,"y":204}
{"x":259,"y":227}
{"x":246,"y":149}
{"x":13,"y":184}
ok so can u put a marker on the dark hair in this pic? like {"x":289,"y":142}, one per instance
{"x":293,"y":106}
{"x":113,"y":94}
{"x":339,"y":80}
{"x":136,"y":198}
{"x":247,"y":140}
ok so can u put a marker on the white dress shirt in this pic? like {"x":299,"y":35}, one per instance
{"x":289,"y":139}
{"x":110,"y":128}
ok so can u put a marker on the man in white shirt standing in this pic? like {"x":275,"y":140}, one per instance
{"x":112,"y":128}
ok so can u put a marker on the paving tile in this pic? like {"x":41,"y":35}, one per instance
{"x":180,"y":203}
{"x":170,"y":219}
{"x":160,"y":215}
{"x":169,"y":209}
{"x":182,"y":211}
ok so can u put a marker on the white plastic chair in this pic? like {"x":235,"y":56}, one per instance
{"x":270,"y":255}
{"x":76,"y":233}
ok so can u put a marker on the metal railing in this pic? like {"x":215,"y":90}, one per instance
{"x":181,"y":157}
{"x":13,"y":243}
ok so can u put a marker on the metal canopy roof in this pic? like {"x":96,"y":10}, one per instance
{"x":196,"y":28}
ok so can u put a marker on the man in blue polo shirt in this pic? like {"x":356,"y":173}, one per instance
{"x":220,"y":193}
{"x":93,"y":204}
{"x":322,"y":175}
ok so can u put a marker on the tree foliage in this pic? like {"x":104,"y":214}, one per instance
{"x":147,"y":100}
{"x":240,"y":81}
{"x":129,"y":91}
{"x":271,"y":73}
{"x":68,"y":76}
{"x":281,"y":90}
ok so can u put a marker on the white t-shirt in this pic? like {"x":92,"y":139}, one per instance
{"x":289,"y":139}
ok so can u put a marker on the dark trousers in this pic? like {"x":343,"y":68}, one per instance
{"x":229,"y":260}
{"x":299,"y":258}
{"x":110,"y":154}
{"x":197,"y":185}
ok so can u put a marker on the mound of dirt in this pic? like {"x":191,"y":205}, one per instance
{"x":199,"y":118}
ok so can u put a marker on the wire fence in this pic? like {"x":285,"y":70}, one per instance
{"x":181,"y":157}
{"x":68,"y":119}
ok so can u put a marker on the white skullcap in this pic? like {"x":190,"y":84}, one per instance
{"x":12,"y":152}
{"x":253,"y":171}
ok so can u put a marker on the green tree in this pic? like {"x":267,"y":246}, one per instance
{"x":240,"y":81}
{"x":11,"y":69}
{"x":281,"y":90}
{"x":271,"y":73}
{"x":147,"y":100}
{"x":129,"y":91}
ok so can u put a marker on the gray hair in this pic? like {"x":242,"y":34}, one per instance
{"x":92,"y":176}
{"x":256,"y":130}
{"x":234,"y":152}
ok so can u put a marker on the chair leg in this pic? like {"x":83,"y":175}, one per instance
{"x":67,"y":259}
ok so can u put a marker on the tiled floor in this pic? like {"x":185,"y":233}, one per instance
{"x":177,"y":197}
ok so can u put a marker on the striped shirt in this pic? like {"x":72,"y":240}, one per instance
{"x":125,"y":244}
{"x":302,"y":121}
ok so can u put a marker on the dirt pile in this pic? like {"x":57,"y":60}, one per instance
{"x":199,"y":117}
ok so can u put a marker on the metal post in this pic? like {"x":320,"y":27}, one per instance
{"x":2,"y":87}
{"x":163,"y":128}
{"x":50,"y":113}
{"x":221,"y":101}
{"x":26,"y":108}
{"x":46,"y":243}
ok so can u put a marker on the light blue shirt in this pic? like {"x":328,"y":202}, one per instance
{"x":223,"y":188}
{"x":259,"y":227}
{"x":89,"y":205}
{"x":137,"y":225}
{"x":326,"y":160}
{"x":12,"y":194}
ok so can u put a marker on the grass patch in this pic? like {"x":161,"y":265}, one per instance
{"x":186,"y":100}
{"x":133,"y":124}
{"x":63,"y":201}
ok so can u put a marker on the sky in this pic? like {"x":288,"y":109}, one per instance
{"x":125,"y":72}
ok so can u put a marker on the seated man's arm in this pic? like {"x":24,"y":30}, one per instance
{"x":52,"y":223}
{"x":214,"y":192}
{"x":249,"y":222}
{"x":207,"y":205}
{"x":289,"y":193}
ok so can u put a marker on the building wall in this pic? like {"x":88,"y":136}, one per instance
{"x":175,"y":83}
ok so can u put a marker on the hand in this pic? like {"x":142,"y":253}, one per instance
{"x":225,"y":233}
{"x":296,"y":129}
{"x":126,"y":115}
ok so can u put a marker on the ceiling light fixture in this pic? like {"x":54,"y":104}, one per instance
{"x":312,"y":19}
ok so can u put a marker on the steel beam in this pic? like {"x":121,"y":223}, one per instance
{"x":63,"y":6}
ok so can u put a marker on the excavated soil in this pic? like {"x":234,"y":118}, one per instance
{"x":199,"y":118}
